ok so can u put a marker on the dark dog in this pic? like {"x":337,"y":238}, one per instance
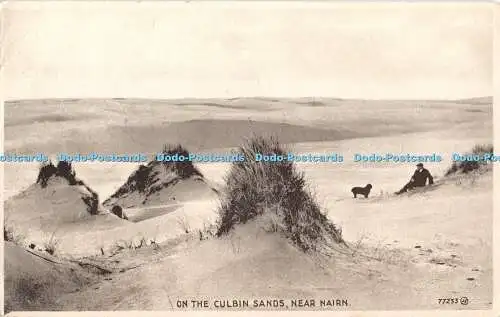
{"x":365,"y":191}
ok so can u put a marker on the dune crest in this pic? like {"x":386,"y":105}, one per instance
{"x":57,"y":196}
{"x":163,"y":183}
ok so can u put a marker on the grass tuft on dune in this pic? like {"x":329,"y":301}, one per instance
{"x":275,"y":190}
{"x":464,"y":167}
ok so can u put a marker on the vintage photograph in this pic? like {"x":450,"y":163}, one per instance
{"x":247,"y":156}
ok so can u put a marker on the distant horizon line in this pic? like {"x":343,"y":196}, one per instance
{"x":247,"y":97}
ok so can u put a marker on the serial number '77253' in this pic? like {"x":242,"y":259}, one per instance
{"x":453,"y":300}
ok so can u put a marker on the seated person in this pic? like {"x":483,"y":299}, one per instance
{"x":419,"y":179}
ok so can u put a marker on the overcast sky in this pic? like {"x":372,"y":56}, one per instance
{"x":223,"y":49}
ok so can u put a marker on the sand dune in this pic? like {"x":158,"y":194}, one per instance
{"x":57,"y":204}
{"x":161,"y":183}
{"x":43,"y":216}
{"x":57,"y":217}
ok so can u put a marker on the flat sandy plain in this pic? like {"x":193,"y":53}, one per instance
{"x":407,"y":252}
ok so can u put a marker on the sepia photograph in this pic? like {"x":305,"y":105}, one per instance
{"x":232,"y":156}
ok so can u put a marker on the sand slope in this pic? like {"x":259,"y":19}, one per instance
{"x":397,"y":259}
{"x":35,"y":281}
{"x":160,"y":184}
{"x":56,"y":216}
{"x":58,"y":204}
